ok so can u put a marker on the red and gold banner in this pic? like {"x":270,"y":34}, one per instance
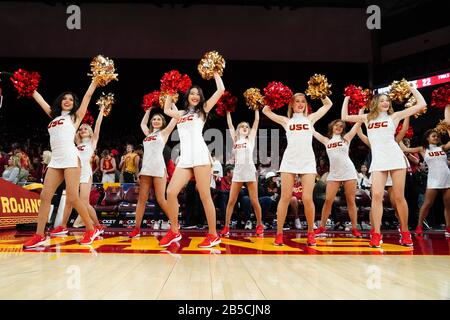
{"x":17,"y":205}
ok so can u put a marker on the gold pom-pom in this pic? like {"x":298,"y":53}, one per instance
{"x":411,"y":103}
{"x":443,"y":127}
{"x":318,"y":87}
{"x":103,"y":70}
{"x":399,"y":91}
{"x":253,"y":98}
{"x":106,"y":101}
{"x":211,"y":62}
{"x":163,"y":96}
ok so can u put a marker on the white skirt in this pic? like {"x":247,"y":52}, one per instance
{"x":244,"y":173}
{"x":65,"y":158}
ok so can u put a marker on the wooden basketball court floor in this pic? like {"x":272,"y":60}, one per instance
{"x":242,"y":267}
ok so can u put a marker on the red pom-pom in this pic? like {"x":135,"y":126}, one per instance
{"x":88,"y":118}
{"x":440,"y":97}
{"x":185,"y":83}
{"x":409,"y":133}
{"x":227,"y":102}
{"x":151,"y":100}
{"x":25,"y":82}
{"x":276,"y":95}
{"x":173,"y":81}
{"x":358,"y":98}
{"x":114,"y":152}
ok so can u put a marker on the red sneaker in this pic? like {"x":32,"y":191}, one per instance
{"x":89,"y":236}
{"x":136,"y":233}
{"x":36,"y":241}
{"x":279,"y":240}
{"x":376,"y":241}
{"x":447,"y":232}
{"x":59,"y":231}
{"x":225,"y":232}
{"x":210,"y":241}
{"x":311,"y":241}
{"x":170,"y":238}
{"x":320,"y":231}
{"x":405,"y":239}
{"x":419,"y":231}
{"x":356,"y":233}
{"x":101,"y":228}
{"x":259,"y":230}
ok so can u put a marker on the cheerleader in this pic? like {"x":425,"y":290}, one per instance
{"x":342,"y":171}
{"x":153,"y":173}
{"x":86,"y":141}
{"x":66,"y":114}
{"x":244,"y":170}
{"x":398,"y":138}
{"x":387,"y":157}
{"x":434,"y":154}
{"x":298,"y":159}
{"x":195,"y":159}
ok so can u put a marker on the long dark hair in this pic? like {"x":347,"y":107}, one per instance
{"x":199,"y":108}
{"x":56,"y":108}
{"x":425,"y":143}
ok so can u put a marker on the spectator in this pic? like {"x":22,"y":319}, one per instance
{"x":223,"y":191}
{"x":12,"y":171}
{"x":296,"y":202}
{"x":322,"y":167}
{"x":129,"y":165}
{"x":216,"y":171}
{"x":364,"y":178}
{"x":25,"y":163}
{"x":95,"y":164}
{"x":108,"y":167}
{"x":3,"y":162}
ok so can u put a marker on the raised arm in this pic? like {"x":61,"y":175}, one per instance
{"x":98,"y":124}
{"x":324,"y":140}
{"x":171,"y":109}
{"x":353,"y":131}
{"x":322,"y":111}
{"x":351,"y":118}
{"x":216,"y":96}
{"x":401,"y":134}
{"x":230,"y":126}
{"x":255,"y":125}
{"x":44,"y":105}
{"x":274,"y":117}
{"x":410,"y":150}
{"x":144,"y":122}
{"x":84,"y":103}
{"x":169,"y":128}
{"x":362,"y":136}
{"x":397,"y":116}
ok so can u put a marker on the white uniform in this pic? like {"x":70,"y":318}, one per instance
{"x":299,"y":155}
{"x":386,"y":153}
{"x":153,"y":164}
{"x":193,"y":149}
{"x":85,"y":150}
{"x":244,"y":168}
{"x":438,"y":171}
{"x":62,"y":135}
{"x":341,"y":167}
